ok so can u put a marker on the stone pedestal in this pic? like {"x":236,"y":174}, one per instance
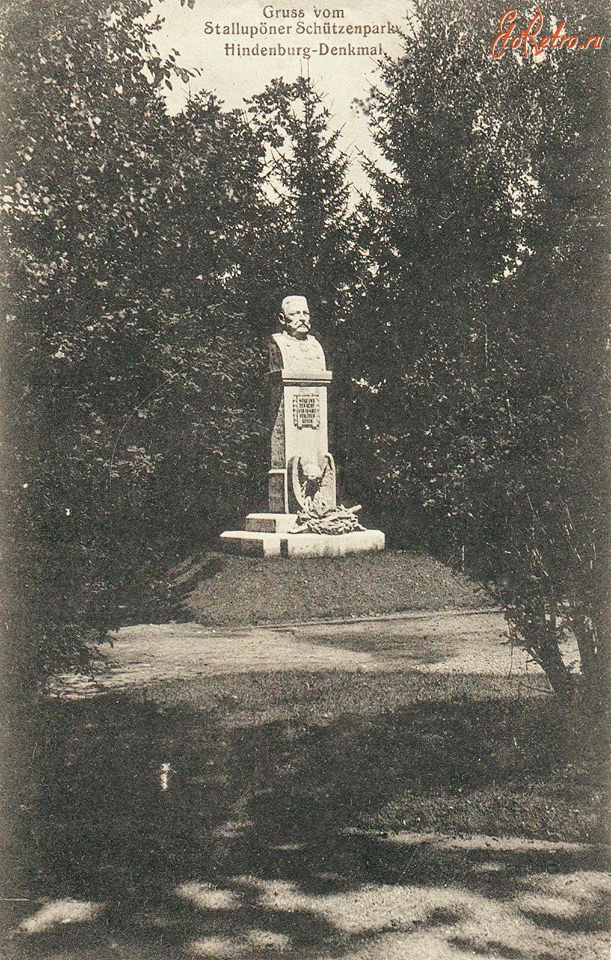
{"x":302,"y":470}
{"x":299,"y":429}
{"x":266,"y":535}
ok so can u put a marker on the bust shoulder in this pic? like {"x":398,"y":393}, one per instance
{"x":291,"y":353}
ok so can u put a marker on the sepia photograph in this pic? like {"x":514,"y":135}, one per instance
{"x":304,"y":458}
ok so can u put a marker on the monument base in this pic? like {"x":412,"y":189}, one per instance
{"x":266,"y":535}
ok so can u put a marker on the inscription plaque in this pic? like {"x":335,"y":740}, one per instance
{"x":306,"y":411}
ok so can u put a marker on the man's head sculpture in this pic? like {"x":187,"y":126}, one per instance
{"x":295,"y":317}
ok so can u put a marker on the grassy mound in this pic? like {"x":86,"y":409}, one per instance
{"x":248,"y":590}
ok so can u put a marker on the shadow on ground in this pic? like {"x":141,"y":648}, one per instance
{"x":176,"y":829}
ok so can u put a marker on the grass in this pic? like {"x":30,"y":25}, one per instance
{"x":460,"y":754}
{"x":219,"y":589}
{"x":456,"y":754}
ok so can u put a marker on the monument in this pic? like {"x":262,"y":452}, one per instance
{"x":304,"y":518}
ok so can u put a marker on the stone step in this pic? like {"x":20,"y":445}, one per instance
{"x":301,"y":544}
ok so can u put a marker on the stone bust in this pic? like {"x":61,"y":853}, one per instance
{"x":294,"y":317}
{"x":294,"y":349}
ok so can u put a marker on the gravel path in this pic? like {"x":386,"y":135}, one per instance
{"x":459,"y":642}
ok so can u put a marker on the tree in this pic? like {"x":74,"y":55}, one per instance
{"x":129,"y":355}
{"x":67,"y":75}
{"x":470,"y":233}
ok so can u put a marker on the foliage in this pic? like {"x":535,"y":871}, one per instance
{"x":130,"y":360}
{"x":306,"y":176}
{"x":487,"y":237}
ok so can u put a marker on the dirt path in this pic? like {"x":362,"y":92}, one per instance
{"x":459,"y":642}
{"x":427,"y":897}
